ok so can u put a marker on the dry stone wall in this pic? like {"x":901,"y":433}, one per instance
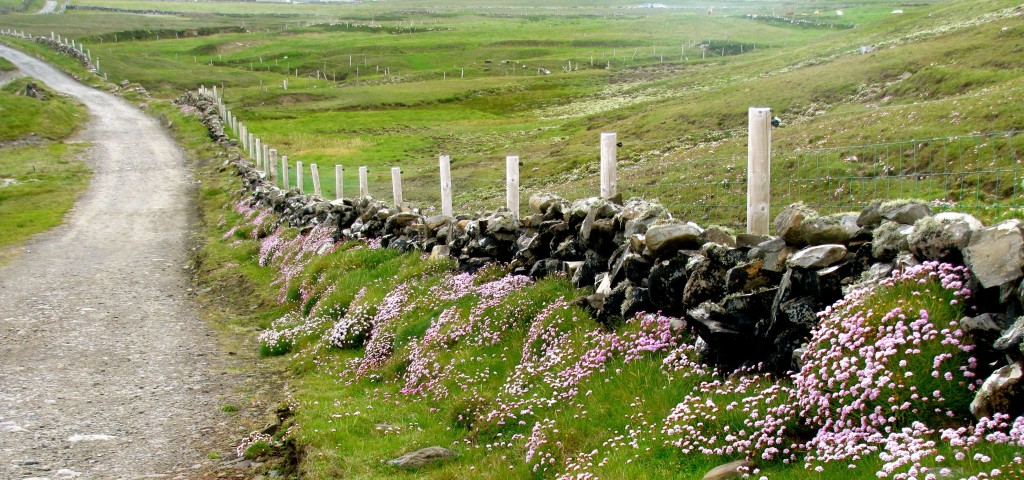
{"x":751,"y":299}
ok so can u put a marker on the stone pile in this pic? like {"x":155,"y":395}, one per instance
{"x":751,"y":299}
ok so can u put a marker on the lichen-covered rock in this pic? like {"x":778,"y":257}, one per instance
{"x":941,"y":238}
{"x":719,"y":235}
{"x":817,"y":256}
{"x":838,"y":228}
{"x":889,"y":239}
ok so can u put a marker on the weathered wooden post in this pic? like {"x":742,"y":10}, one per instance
{"x":267,"y":164}
{"x":284,"y":172}
{"x":759,"y":141}
{"x":364,"y":185}
{"x":446,"y":185}
{"x":339,"y":192}
{"x":252,"y":142}
{"x":609,"y":168}
{"x":298,"y":177}
{"x":512,"y":185}
{"x":273,"y":165}
{"x":396,"y":185}
{"x":316,"y":179}
{"x":258,"y":151}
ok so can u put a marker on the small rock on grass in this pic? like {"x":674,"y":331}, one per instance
{"x":423,"y":457}
{"x":730,"y":470}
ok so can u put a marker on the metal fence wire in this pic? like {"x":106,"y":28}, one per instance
{"x":980,"y":174}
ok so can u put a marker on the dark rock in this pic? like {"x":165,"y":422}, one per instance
{"x":774,"y":252}
{"x":722,"y":255}
{"x":545,"y":268}
{"x":637,"y":299}
{"x":592,"y":265}
{"x":706,"y":281}
{"x":667,"y":282}
{"x":748,"y":277}
{"x":610,"y":315}
{"x":636,"y":268}
{"x":1011,"y":341}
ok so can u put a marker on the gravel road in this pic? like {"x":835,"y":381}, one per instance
{"x":106,"y":370}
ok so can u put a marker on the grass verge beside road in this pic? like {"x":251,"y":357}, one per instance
{"x":40,"y":175}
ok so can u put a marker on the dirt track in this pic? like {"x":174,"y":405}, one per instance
{"x":106,"y":372}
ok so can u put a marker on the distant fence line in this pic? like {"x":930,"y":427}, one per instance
{"x":977,"y":173}
{"x":981,"y":173}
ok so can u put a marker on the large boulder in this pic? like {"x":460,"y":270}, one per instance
{"x":1002,"y":392}
{"x":994,"y":254}
{"x":705,"y":281}
{"x":667,"y":281}
{"x":668,"y":238}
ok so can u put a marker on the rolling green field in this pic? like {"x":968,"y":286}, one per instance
{"x":397,"y":84}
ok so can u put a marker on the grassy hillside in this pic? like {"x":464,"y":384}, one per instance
{"x":392,"y":84}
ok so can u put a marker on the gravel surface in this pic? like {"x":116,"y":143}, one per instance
{"x":106,"y":370}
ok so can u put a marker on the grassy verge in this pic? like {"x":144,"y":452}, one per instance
{"x":393,"y":352}
{"x":41,"y":175}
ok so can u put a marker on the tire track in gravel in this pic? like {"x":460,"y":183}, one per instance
{"x":106,"y":370}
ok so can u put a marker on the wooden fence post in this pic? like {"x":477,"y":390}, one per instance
{"x":446,"y":185}
{"x":759,"y":141}
{"x":316,"y":179}
{"x":284,"y":172}
{"x":339,"y":192}
{"x":512,"y":185}
{"x":396,"y":185}
{"x":298,"y":177}
{"x":272,"y":160}
{"x":609,"y":168}
{"x":258,"y":151}
{"x":364,"y":185}
{"x":252,"y":144}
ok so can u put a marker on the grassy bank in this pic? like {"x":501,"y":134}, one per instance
{"x":393,"y":352}
{"x":42,"y":174}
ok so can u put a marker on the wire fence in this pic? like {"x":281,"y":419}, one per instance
{"x":980,"y":174}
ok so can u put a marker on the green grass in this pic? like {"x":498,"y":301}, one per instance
{"x":6,"y":66}
{"x":49,"y":180}
{"x":679,"y":120}
{"x":20,"y":116}
{"x":47,"y":174}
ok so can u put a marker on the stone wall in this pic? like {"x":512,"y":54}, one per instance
{"x":751,"y":299}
